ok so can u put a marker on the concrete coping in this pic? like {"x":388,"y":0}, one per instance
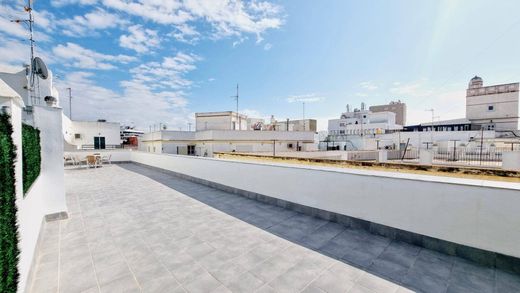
{"x":375,"y":173}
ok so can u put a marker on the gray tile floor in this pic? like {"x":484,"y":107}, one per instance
{"x":135,"y":229}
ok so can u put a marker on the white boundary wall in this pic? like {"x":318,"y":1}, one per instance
{"x":47,"y":194}
{"x":477,"y":213}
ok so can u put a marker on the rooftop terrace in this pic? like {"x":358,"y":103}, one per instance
{"x":136,"y":229}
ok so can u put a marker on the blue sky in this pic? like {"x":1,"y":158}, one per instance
{"x":147,"y":61}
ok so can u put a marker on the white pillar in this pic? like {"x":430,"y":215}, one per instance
{"x":511,"y":160}
{"x":425,"y":157}
{"x":382,"y":156}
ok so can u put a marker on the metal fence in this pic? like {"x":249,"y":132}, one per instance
{"x":107,"y":147}
{"x":408,"y":155}
{"x":461,"y":156}
{"x":490,"y":157}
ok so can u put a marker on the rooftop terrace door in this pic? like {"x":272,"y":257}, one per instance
{"x":99,"y":142}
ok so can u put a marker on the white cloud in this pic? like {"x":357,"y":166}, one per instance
{"x":186,"y":34}
{"x":268,"y":46}
{"x":88,"y":24}
{"x":59,"y":3}
{"x":140,"y":39}
{"x":368,"y":85}
{"x":163,"y":12}
{"x":14,"y":52}
{"x":227,"y":18}
{"x":96,"y":102}
{"x":76,"y":56}
{"x":307,"y":98}
{"x":167,"y":74}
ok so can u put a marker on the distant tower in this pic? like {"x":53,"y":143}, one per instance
{"x":475,"y":82}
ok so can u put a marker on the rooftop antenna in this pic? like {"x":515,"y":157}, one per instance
{"x":70,"y":102}
{"x":303,"y":114}
{"x":236,"y":99}
{"x":29,"y":22}
{"x":433,"y":118}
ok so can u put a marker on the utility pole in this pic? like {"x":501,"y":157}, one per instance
{"x":236,"y":99}
{"x":433,"y":117}
{"x":189,"y":126}
{"x":70,"y":102}
{"x":481,"y":144}
{"x":303,"y":103}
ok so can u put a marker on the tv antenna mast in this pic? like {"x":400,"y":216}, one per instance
{"x":70,"y":102}
{"x":29,"y":22}
{"x":238,"y":115}
{"x":433,"y":122}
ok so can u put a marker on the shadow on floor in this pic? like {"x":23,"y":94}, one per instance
{"x":414,"y":267}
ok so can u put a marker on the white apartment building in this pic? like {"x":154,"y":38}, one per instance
{"x":90,"y":134}
{"x":227,"y":120}
{"x":363,"y":122}
{"x":220,"y":132}
{"x":207,"y":142}
{"x":493,"y":107}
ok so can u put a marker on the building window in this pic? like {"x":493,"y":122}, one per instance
{"x":491,"y":108}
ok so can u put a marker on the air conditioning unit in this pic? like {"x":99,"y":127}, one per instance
{"x":77,"y":135}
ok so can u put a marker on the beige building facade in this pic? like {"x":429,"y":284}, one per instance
{"x":493,"y":107}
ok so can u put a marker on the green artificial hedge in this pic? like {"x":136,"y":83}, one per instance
{"x":8,"y":227}
{"x":31,"y":151}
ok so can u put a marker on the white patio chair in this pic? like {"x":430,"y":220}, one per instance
{"x":80,"y":162}
{"x":68,"y":159}
{"x":106,"y":159}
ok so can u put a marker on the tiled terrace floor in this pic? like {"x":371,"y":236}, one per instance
{"x":157,"y":233}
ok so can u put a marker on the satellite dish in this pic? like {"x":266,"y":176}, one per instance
{"x":39,"y":68}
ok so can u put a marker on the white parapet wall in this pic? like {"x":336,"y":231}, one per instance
{"x":477,"y":213}
{"x":47,"y":194}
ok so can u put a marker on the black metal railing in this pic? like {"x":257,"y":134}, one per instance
{"x":107,"y":147}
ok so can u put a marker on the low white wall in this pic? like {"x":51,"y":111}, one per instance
{"x":481,"y":214}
